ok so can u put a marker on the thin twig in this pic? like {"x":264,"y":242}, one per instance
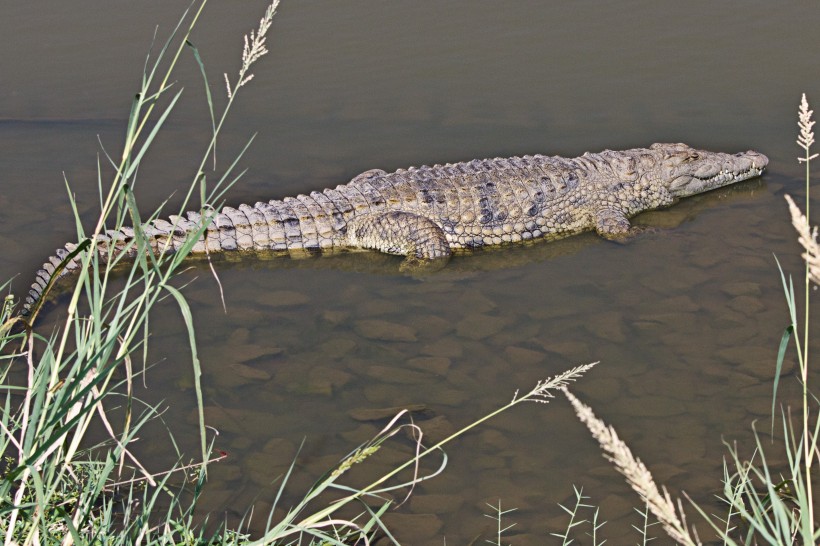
{"x":222,"y":455}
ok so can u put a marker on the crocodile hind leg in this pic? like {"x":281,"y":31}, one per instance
{"x":418,"y":238}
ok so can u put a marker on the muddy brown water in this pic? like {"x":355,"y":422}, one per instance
{"x":685,"y":320}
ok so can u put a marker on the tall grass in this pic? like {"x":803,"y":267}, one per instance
{"x":54,"y":487}
{"x":55,"y":387}
{"x":765,"y":505}
{"x":294,"y":523}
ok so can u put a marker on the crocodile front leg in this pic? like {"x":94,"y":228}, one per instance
{"x":403,"y":233}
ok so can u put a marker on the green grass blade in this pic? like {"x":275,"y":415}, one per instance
{"x":375,"y":517}
{"x":147,"y":77}
{"x":216,"y":194}
{"x":133,"y":120}
{"x":150,"y":138}
{"x":788,"y":292}
{"x":781,"y":353}
{"x":207,"y":94}
{"x":185,"y":309}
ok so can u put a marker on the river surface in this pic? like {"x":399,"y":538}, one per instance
{"x":685,"y":319}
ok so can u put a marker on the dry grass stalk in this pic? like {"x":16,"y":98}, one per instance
{"x":806,"y":137}
{"x":635,"y":472}
{"x":807,"y":237}
{"x":254,"y":48}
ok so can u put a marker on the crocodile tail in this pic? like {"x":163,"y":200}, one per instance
{"x":66,"y":261}
{"x":294,"y":224}
{"x":61,"y":264}
{"x":303,"y":223}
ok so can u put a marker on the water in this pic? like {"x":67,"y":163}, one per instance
{"x":685,"y":320}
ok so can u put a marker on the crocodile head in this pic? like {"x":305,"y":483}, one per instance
{"x":686,"y":171}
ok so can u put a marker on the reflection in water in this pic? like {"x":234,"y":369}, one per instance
{"x":685,"y":318}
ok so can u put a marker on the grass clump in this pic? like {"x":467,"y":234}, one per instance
{"x":55,"y":388}
{"x":764,"y":505}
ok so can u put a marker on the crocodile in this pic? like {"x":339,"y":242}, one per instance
{"x":428,"y":213}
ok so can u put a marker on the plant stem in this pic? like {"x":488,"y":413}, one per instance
{"x":807,"y":445}
{"x":540,"y":393}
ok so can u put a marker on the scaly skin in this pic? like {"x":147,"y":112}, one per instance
{"x":426,"y":213}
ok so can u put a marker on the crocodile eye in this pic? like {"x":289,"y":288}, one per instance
{"x":626,"y":165}
{"x":684,"y":156}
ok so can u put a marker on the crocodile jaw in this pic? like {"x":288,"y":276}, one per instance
{"x":687,"y":171}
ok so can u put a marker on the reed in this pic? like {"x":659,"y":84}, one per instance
{"x":56,"y":387}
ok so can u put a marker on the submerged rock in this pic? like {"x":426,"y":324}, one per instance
{"x":383,"y":330}
{"x":480,"y":326}
{"x":412,"y":528}
{"x":434,"y":364}
{"x":523,"y":356}
{"x":280,"y":298}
